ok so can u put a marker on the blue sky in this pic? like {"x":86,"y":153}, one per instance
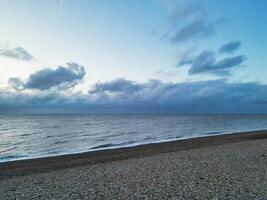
{"x":65,"y":49}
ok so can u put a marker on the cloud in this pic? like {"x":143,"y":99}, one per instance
{"x":152,"y":96}
{"x":207,"y":62}
{"x":217,"y":94}
{"x":117,"y":85}
{"x":230,"y":47}
{"x":194,"y":31}
{"x":228,"y":63}
{"x":48,"y":78}
{"x":63,"y":77}
{"x":189,"y":21}
{"x":185,"y":59}
{"x":17,"y":53}
{"x":16,"y":83}
{"x":189,"y":10}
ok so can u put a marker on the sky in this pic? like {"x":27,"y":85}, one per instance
{"x":184,"y":56}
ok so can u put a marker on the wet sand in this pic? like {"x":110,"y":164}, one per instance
{"x":216,"y":167}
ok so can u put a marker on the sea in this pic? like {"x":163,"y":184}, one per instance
{"x":34,"y":136}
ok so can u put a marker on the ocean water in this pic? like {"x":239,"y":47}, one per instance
{"x":31,"y":136}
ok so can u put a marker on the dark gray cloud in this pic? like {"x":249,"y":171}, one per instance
{"x":202,"y":95}
{"x":48,"y":78}
{"x":117,"y":85}
{"x":207,"y":62}
{"x":194,"y":31}
{"x":152,"y":96}
{"x":17,"y":53}
{"x":230,"y":47}
{"x":62,"y":77}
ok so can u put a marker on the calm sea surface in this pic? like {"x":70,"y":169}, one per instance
{"x":30,"y":136}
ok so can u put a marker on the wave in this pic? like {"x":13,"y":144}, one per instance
{"x":13,"y":157}
{"x":103,"y":146}
{"x":213,"y":133}
{"x":113,"y":145}
{"x":87,"y":124}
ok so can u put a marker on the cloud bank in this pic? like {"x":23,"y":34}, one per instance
{"x":120,"y":95}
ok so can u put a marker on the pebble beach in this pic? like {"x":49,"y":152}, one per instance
{"x":230,"y":166}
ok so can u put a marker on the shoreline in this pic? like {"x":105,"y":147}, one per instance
{"x":111,"y":147}
{"x":46,"y":164}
